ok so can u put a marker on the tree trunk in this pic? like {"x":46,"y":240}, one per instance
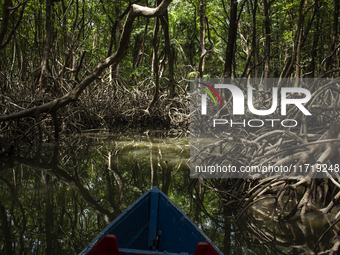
{"x":142,"y":51}
{"x":165,"y":25}
{"x":314,"y":49}
{"x":250,"y":53}
{"x":231,"y":39}
{"x":114,"y":60}
{"x":6,"y":15}
{"x":202,"y":38}
{"x":267,"y":43}
{"x":331,"y":45}
{"x":6,"y":228}
{"x":48,"y":40}
{"x":155,"y":69}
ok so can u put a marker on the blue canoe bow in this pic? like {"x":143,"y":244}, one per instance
{"x":154,"y":215}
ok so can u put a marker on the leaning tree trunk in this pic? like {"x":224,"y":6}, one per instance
{"x":114,"y":60}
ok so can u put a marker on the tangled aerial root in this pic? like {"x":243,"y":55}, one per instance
{"x":107,"y":107}
{"x":315,"y":143}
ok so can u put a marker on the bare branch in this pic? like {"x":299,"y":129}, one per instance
{"x":135,"y":11}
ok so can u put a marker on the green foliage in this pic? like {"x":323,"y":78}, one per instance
{"x":93,"y":27}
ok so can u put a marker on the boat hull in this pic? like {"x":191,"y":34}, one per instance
{"x":151,"y":215}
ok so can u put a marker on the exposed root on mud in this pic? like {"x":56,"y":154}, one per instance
{"x":310,"y":152}
{"x":107,"y":106}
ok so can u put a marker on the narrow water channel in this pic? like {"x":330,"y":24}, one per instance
{"x":56,"y":198}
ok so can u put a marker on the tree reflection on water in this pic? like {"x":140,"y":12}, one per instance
{"x":56,"y":198}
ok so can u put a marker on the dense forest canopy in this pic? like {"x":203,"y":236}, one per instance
{"x":49,"y":47}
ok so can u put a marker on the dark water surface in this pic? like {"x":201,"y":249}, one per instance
{"x":56,"y":198}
